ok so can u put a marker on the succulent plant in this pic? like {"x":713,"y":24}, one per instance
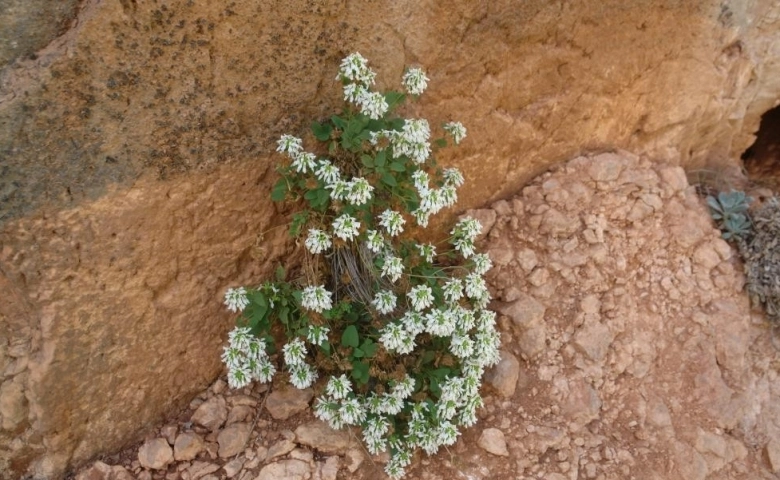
{"x":729,"y":210}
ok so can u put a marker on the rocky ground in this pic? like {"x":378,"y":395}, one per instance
{"x":630,"y":352}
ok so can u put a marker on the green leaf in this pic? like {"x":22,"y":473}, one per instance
{"x":367,"y":160}
{"x":321,"y":131}
{"x":299,"y":219}
{"x":428,"y":357}
{"x":379,"y":161}
{"x":280,"y":273}
{"x":325,"y":347}
{"x":369,"y":347}
{"x":360,"y":372}
{"x":279,"y":191}
{"x":397,"y":166}
{"x":338,"y":122}
{"x":440,"y":142}
{"x":284,"y":315}
{"x":393,"y":99}
{"x":358,"y":353}
{"x":350,"y":337}
{"x":389,"y":179}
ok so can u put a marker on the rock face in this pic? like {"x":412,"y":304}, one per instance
{"x":137,"y":149}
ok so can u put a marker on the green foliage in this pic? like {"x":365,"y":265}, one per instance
{"x":729,"y":210}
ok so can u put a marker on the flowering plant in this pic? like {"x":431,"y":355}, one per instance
{"x":399,"y":331}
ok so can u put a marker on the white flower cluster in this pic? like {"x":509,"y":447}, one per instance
{"x":236,"y":299}
{"x":302,"y":375}
{"x":457,"y":130}
{"x":464,"y":234}
{"x":415,"y":81}
{"x":246,"y":359}
{"x":357,"y":79}
{"x":316,"y":298}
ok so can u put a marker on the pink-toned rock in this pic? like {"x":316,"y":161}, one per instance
{"x":287,"y":401}
{"x":155,"y":454}
{"x":285,"y":470}
{"x":187,"y":446}
{"x":233,"y":438}
{"x":503,"y":377}
{"x":320,"y":436}
{"x":492,"y":441}
{"x":211,"y":413}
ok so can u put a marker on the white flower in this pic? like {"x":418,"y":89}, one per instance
{"x":359,"y":191}
{"x":415,"y":81}
{"x":421,"y":297}
{"x":440,"y":323}
{"x":422,"y":217}
{"x":384,"y":301}
{"x":338,"y":387}
{"x":468,"y":415}
{"x":466,"y":320}
{"x":289,"y":145}
{"x":467,"y":228}
{"x":391,"y":404}
{"x":352,"y":412}
{"x":232,"y":357}
{"x":316,"y":298}
{"x":240,"y":338}
{"x":304,"y":162}
{"x":427,"y":251}
{"x":432,"y":201}
{"x":404,"y":388}
{"x":294,"y":352}
{"x":265,"y":371}
{"x":235,"y":299}
{"x":338,"y":189}
{"x":372,"y":104}
{"x":446,"y":433}
{"x":238,"y":377}
{"x":393,"y":336}
{"x":449,"y":195}
{"x":486,"y":344}
{"x":465,"y":246}
{"x":452,"y":176}
{"x":421,"y":179}
{"x":413,"y":322}
{"x":487,"y":319}
{"x":453,"y":290}
{"x":354,"y":67}
{"x":375,"y":241}
{"x":346,"y":227}
{"x":302,"y":375}
{"x":457,"y":130}
{"x":317,"y":241}
{"x":317,"y":334}
{"x":392,"y":221}
{"x":395,"y":467}
{"x":461,"y":345}
{"x":255,"y":349}
{"x":482,"y":263}
{"x":476,"y":288}
{"x":327,"y":172}
{"x":325,"y":409}
{"x":412,"y":140}
{"x":353,"y":91}
{"x":392,"y":267}
{"x":375,"y":429}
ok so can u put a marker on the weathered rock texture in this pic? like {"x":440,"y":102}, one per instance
{"x":135,"y":151}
